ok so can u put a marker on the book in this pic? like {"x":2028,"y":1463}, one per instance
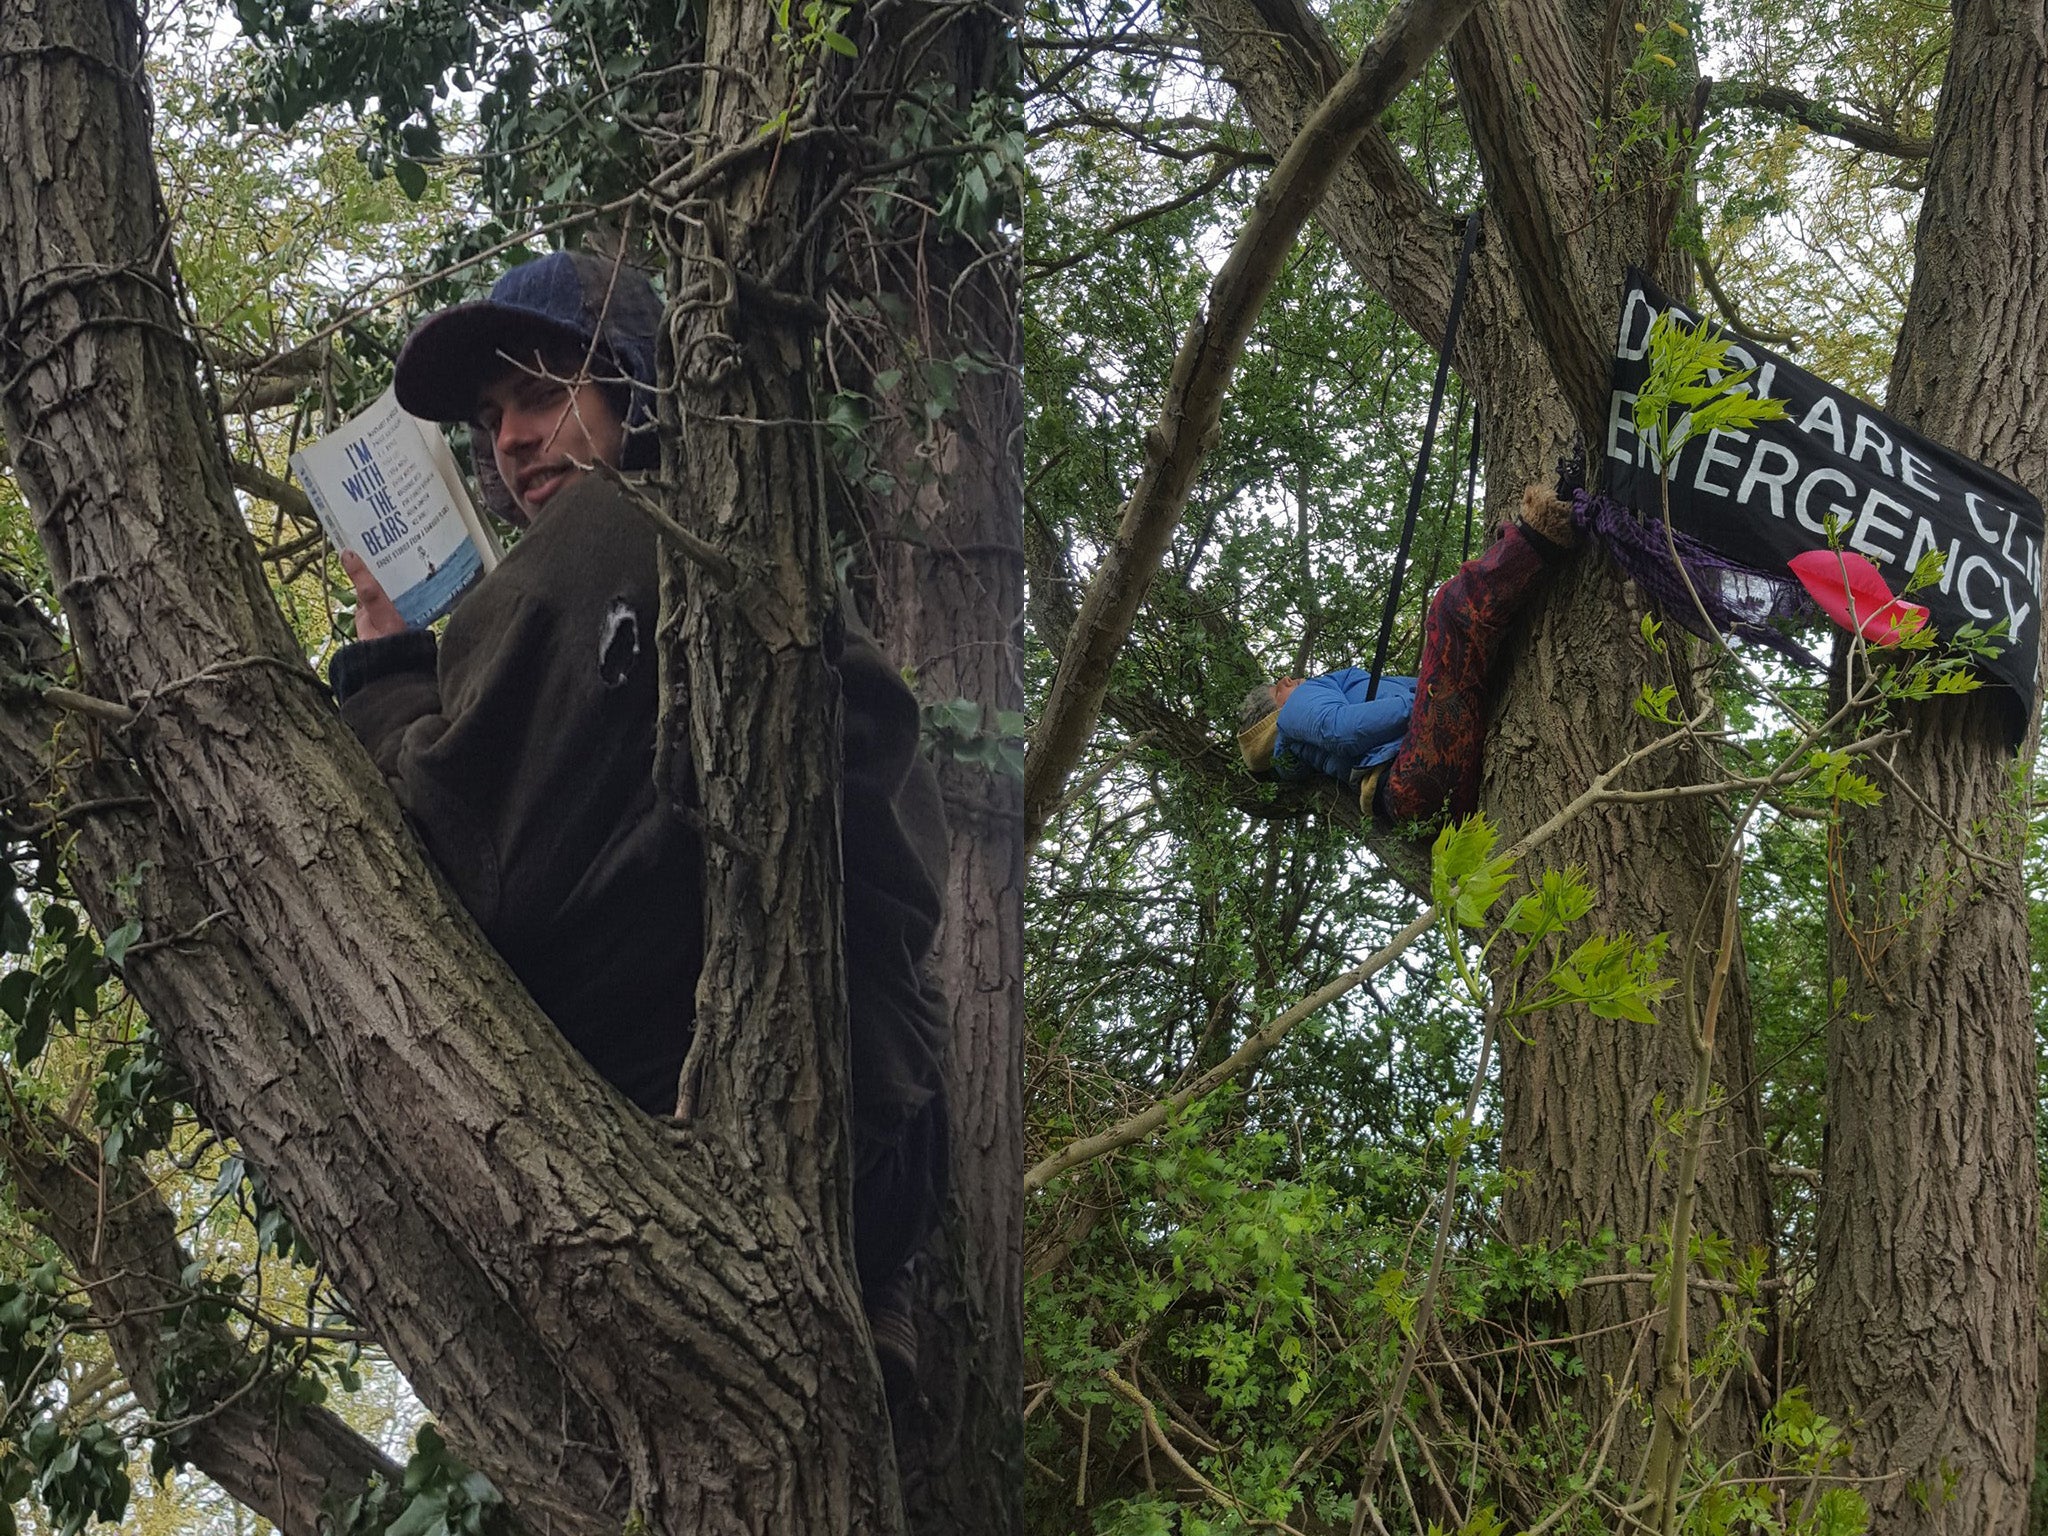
{"x":385,"y":484}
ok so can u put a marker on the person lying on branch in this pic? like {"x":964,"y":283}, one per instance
{"x":1415,"y":749}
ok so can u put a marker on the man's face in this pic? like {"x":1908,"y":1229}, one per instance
{"x":546,"y":434}
{"x":1283,"y":687}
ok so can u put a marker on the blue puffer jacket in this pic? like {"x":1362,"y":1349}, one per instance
{"x":1326,"y":726}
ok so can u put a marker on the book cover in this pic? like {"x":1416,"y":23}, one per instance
{"x":385,"y":485}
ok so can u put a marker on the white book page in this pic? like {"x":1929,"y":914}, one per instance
{"x":444,"y":461}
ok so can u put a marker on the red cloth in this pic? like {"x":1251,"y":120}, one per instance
{"x":1842,"y":582}
{"x":1437,"y":769}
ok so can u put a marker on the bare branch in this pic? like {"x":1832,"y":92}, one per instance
{"x":261,"y":483}
{"x":1224,"y":168}
{"x":1255,"y":1049}
{"x":1830,"y":122}
{"x":1259,"y":1045}
{"x":1712,"y":279}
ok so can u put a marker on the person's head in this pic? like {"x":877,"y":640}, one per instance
{"x":544,"y":426}
{"x":554,"y":371}
{"x":1257,"y":722}
{"x":1264,"y":700}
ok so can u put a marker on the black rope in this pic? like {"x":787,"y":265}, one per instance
{"x":1436,"y":405}
{"x":1443,"y":530}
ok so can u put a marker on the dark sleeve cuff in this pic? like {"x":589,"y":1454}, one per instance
{"x":1549,"y":551}
{"x":362,"y":662}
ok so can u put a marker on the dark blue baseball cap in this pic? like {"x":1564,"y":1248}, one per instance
{"x":565,"y":299}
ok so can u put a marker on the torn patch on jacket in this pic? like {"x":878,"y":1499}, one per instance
{"x":618,"y":643}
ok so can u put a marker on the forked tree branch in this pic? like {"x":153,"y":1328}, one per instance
{"x":1176,"y":446}
{"x":282,"y":1460}
{"x":200,"y":998}
{"x":1279,"y":59}
{"x":606,"y":1311}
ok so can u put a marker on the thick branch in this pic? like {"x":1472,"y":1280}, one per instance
{"x":241,"y":1040}
{"x":1278,"y":57}
{"x":1177,"y":445}
{"x":282,"y":494}
{"x":282,"y":1460}
{"x":1831,"y":122}
{"x":1523,"y":98}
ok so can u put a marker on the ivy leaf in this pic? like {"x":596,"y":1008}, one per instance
{"x":411,"y":177}
{"x":118,"y":942}
{"x":33,"y":1035}
{"x":426,"y":1510}
{"x":14,"y":993}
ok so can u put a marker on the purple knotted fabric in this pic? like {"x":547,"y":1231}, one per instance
{"x":1741,"y":600}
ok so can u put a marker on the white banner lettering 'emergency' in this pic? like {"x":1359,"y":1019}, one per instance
{"x":1836,"y":472}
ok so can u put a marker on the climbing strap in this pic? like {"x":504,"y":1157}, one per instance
{"x":1436,"y":403}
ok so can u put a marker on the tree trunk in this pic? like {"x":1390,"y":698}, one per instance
{"x":1587,"y":1103}
{"x":617,"y":1319}
{"x":950,"y":599}
{"x":1922,"y":1334}
{"x":955,"y":596}
{"x":751,"y":686}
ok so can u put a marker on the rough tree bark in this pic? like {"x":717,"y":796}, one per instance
{"x":950,"y":598}
{"x":748,"y":675}
{"x":117,"y":1235}
{"x":1579,"y":1096}
{"x":615,"y":1318}
{"x":962,"y":1455}
{"x":1922,"y":1332}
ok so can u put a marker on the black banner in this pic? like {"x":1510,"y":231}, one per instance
{"x":1764,"y":495}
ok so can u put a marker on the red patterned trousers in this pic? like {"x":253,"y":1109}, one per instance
{"x":1437,"y":768}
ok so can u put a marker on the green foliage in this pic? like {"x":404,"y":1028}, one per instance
{"x":62,"y":988}
{"x":1263,"y":1297}
{"x":1689,"y":375}
{"x":80,"y":1477}
{"x":1839,"y":782}
{"x":953,"y":729}
{"x":1613,"y":978}
{"x":135,"y":1098}
{"x":273,"y":1228}
{"x":77,"y":1472}
{"x":438,"y":1496}
{"x":1466,"y":877}
{"x":1659,"y":704}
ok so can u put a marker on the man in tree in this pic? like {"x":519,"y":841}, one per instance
{"x":1415,"y":748}
{"x":522,"y":747}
